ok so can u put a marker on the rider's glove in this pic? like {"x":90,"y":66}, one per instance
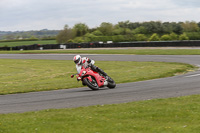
{"x":79,"y":78}
{"x":89,"y":65}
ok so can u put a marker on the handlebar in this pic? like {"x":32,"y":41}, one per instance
{"x":72,"y":75}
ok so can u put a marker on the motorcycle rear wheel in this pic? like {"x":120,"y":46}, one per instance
{"x":111,"y":83}
{"x":92,"y":85}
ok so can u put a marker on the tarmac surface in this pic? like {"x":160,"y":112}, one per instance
{"x":181,"y":85}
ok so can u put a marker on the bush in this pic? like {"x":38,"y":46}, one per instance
{"x":78,"y":40}
{"x":140,"y":37}
{"x":193,"y":35}
{"x":165,"y":37}
{"x":70,"y":41}
{"x":183,"y":37}
{"x":174,"y":36}
{"x":118,"y":38}
{"x":97,"y":33}
{"x":154,"y":37}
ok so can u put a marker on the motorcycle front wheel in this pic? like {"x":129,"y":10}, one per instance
{"x":92,"y":85}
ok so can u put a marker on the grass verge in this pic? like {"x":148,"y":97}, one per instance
{"x":173,"y":115}
{"x":19,"y":76}
{"x":112,"y":51}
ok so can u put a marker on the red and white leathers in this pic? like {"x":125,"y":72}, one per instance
{"x":84,"y":62}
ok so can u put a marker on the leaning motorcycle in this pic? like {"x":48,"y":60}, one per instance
{"x":94,"y":80}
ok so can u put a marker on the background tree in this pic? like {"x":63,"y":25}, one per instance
{"x":121,"y":30}
{"x":125,"y":24}
{"x":80,"y":29}
{"x":177,"y":28}
{"x":106,"y":28}
{"x":167,"y":27}
{"x":190,"y":26}
{"x":198,"y":24}
{"x":118,"y":31}
{"x":140,"y":30}
{"x":153,"y":27}
{"x":65,"y":35}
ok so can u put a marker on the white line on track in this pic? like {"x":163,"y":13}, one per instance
{"x":192,"y":75}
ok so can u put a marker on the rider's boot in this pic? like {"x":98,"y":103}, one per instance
{"x":97,"y":69}
{"x":102,"y":72}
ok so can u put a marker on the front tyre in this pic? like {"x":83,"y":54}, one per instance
{"x":111,"y":83}
{"x":92,"y":85}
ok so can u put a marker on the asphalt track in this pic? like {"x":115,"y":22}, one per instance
{"x":176,"y":86}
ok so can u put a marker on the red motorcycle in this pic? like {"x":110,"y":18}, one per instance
{"x":94,"y":80}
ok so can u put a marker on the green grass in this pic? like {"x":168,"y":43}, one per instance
{"x":173,"y":115}
{"x":113,"y":51}
{"x":20,"y":43}
{"x":19,"y":76}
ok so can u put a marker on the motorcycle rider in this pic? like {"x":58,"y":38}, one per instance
{"x":86,"y":62}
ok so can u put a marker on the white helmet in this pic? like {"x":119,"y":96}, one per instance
{"x":77,"y":59}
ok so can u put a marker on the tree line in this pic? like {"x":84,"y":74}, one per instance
{"x":130,"y":31}
{"x":28,"y":35}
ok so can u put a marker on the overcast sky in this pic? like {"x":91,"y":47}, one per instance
{"x":54,"y":14}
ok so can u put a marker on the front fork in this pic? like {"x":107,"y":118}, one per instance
{"x":89,"y":77}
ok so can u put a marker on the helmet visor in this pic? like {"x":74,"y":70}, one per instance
{"x":77,"y":61}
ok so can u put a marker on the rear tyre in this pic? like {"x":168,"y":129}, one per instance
{"x":111,"y":83}
{"x":92,"y":85}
